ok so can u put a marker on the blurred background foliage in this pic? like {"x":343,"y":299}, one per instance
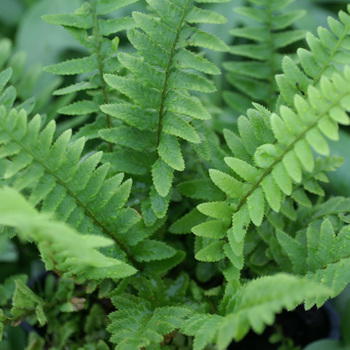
{"x":36,"y":44}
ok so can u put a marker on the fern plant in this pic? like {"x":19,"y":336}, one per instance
{"x":155,"y":230}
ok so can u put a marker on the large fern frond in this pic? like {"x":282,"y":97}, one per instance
{"x":265,"y":172}
{"x":58,"y":180}
{"x":160,"y":110}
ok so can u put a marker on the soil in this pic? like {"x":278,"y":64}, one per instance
{"x":303,"y":327}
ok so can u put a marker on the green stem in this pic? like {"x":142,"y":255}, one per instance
{"x":168,"y":70}
{"x":98,"y":40}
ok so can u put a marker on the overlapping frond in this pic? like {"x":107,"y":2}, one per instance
{"x":137,"y":324}
{"x":327,"y":54}
{"x":254,"y":77}
{"x":58,"y":180}
{"x":321,"y":252}
{"x":62,"y":249}
{"x":91,"y":28}
{"x":249,"y":309}
{"x":160,"y":109}
{"x":265,"y":173}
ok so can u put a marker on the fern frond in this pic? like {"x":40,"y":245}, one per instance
{"x":254,"y":78}
{"x":327,"y":54}
{"x":161,"y":111}
{"x":62,"y":249}
{"x":77,"y":190}
{"x":324,"y":257}
{"x":89,"y":27}
{"x":251,"y":310}
{"x":137,"y":324}
{"x":270,"y":171}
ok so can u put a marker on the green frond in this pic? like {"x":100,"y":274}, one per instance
{"x":255,"y":77}
{"x":327,"y":54}
{"x":256,"y":312}
{"x":91,"y":29}
{"x":321,"y":253}
{"x":251,"y":310}
{"x":162,"y":75}
{"x":62,"y":249}
{"x":58,"y":180}
{"x":138,"y":324}
{"x":25,"y":300}
{"x":270,"y":171}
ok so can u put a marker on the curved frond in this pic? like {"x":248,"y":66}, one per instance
{"x":271,"y":171}
{"x":251,"y":310}
{"x":62,"y":249}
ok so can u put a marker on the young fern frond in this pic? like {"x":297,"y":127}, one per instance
{"x":89,"y":27}
{"x":137,"y":324}
{"x":62,"y":249}
{"x":326,"y":55}
{"x":255,"y":78}
{"x":77,"y":190}
{"x":161,"y":110}
{"x":266,"y":172}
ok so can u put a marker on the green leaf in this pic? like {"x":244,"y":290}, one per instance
{"x":198,"y":15}
{"x":212,"y":252}
{"x":170,"y":152}
{"x":74,"y":66}
{"x":189,"y":60}
{"x":211,"y":229}
{"x":79,"y":108}
{"x":129,"y":137}
{"x":162,"y":175}
{"x":250,"y":312}
{"x":70,"y":20}
{"x":282,"y":179}
{"x":217,"y":210}
{"x":136,"y":116}
{"x":243,"y":169}
{"x":256,"y":206}
{"x":174,"y":124}
{"x":5,"y":76}
{"x":151,"y":250}
{"x":226,"y":183}
{"x":104,"y":7}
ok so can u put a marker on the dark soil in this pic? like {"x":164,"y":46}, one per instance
{"x":303,"y":327}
